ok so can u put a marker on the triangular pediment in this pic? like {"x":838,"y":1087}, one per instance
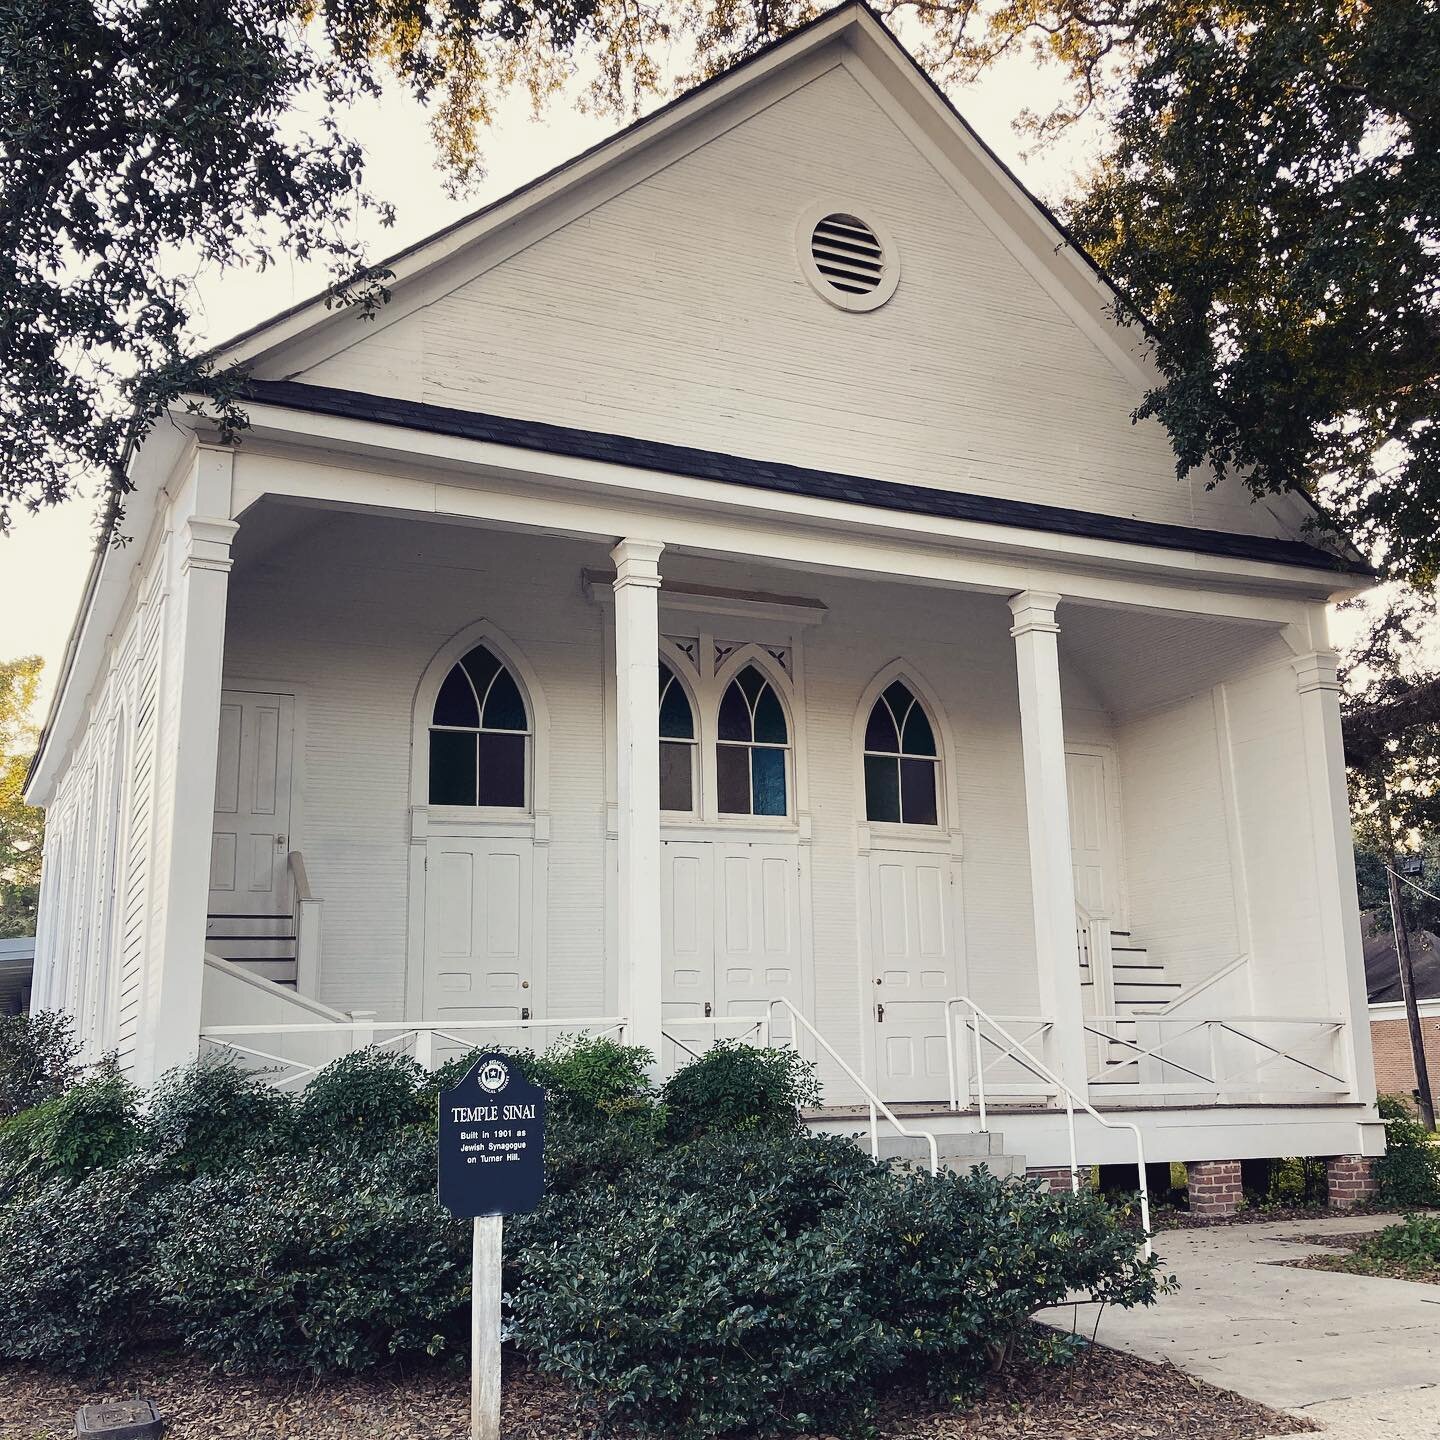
{"x":662,"y":292}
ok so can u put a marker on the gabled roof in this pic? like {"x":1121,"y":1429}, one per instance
{"x":853,"y":26}
{"x":292,"y":342}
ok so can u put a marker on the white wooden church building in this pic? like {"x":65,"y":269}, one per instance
{"x":724,"y":593}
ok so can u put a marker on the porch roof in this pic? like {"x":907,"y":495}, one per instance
{"x":790,"y":479}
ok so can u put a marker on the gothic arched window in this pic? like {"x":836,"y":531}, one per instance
{"x":479,"y":736}
{"x":902,"y":763}
{"x":753,"y":739}
{"x":677,"y":744}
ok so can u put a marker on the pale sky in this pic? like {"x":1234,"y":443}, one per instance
{"x":44,"y":561}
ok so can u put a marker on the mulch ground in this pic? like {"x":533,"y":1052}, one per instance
{"x":1184,"y":1220}
{"x":1106,"y":1395}
{"x":1347,"y":1262}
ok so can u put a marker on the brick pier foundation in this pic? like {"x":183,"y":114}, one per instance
{"x":1057,"y":1177}
{"x":1349,"y":1179}
{"x":1215,"y":1189}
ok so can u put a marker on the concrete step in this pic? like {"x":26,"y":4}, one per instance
{"x":961,"y":1145}
{"x":960,"y":1153}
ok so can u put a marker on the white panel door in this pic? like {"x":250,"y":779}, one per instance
{"x":1091,"y":843}
{"x":731,"y":936}
{"x":757,"y":931}
{"x":479,"y":960}
{"x":687,"y":893}
{"x":249,"y":869}
{"x":913,"y":972}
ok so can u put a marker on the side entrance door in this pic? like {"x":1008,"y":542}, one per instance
{"x":913,"y":971}
{"x":250,"y":910}
{"x":479,"y":951}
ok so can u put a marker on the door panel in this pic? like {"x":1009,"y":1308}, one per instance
{"x":478,"y":955}
{"x":249,"y":870}
{"x":914,"y":972}
{"x":688,"y":943}
{"x":1091,"y":843}
{"x":759,"y":956}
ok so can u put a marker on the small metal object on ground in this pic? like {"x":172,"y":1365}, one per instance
{"x":118,"y":1420}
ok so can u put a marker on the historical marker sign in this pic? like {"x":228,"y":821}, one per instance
{"x":491,"y":1164}
{"x":492,"y":1141}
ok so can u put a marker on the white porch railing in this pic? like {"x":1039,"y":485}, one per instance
{"x":1230,"y":1058}
{"x":1034,"y":1034}
{"x":417,"y":1038}
{"x":978,"y":1022}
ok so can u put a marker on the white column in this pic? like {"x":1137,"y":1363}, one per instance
{"x":1047,"y":809}
{"x":637,"y":774}
{"x":1338,"y":906}
{"x":194,"y":661}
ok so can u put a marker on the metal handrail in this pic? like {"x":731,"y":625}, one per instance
{"x":877,"y":1106}
{"x":1071,"y":1097}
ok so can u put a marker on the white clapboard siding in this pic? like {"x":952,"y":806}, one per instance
{"x":678,"y":310}
{"x":140,"y":838}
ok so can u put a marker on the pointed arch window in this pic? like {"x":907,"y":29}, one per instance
{"x":902,"y":761}
{"x":750,"y":752}
{"x":677,"y":744}
{"x":479,"y":736}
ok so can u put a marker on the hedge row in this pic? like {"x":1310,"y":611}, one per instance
{"x":700,"y":1264}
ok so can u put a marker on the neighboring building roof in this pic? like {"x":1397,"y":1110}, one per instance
{"x":1382,"y":965}
{"x":789,"y":479}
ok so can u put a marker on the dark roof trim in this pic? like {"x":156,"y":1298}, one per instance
{"x":785,"y":479}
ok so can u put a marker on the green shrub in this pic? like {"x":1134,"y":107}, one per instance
{"x":37,"y":1060}
{"x":771,"y":1283}
{"x":598,"y":1079}
{"x":1414,"y":1245}
{"x":338,"y":1260}
{"x":368,"y":1097}
{"x":955,"y":1266}
{"x":211,"y":1115}
{"x":93,"y":1125}
{"x":736,"y":1088}
{"x":75,"y":1269}
{"x":1408,"y":1174}
{"x":697,"y":1315}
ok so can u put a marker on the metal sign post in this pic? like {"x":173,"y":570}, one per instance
{"x":491,"y":1164}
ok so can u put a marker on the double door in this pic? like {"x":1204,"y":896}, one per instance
{"x":731,"y":939}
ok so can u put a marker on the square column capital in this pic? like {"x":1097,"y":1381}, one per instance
{"x":207,"y":543}
{"x":1319,"y":670}
{"x":1034,"y":612}
{"x":637,"y":562}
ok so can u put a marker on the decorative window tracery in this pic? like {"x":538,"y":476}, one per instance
{"x":480,"y":734}
{"x":902,"y":761}
{"x":753,"y":740}
{"x":677,"y":744}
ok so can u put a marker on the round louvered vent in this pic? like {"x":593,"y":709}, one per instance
{"x":850,"y":261}
{"x":848,"y":254}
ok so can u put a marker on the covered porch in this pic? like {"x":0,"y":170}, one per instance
{"x":1107,"y":865}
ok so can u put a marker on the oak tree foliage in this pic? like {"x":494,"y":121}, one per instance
{"x":22,"y":829}
{"x":1268,"y":198}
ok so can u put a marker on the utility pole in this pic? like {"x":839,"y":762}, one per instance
{"x":1402,"y":954}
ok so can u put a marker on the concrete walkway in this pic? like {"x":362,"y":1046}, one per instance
{"x":1360,"y":1356}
